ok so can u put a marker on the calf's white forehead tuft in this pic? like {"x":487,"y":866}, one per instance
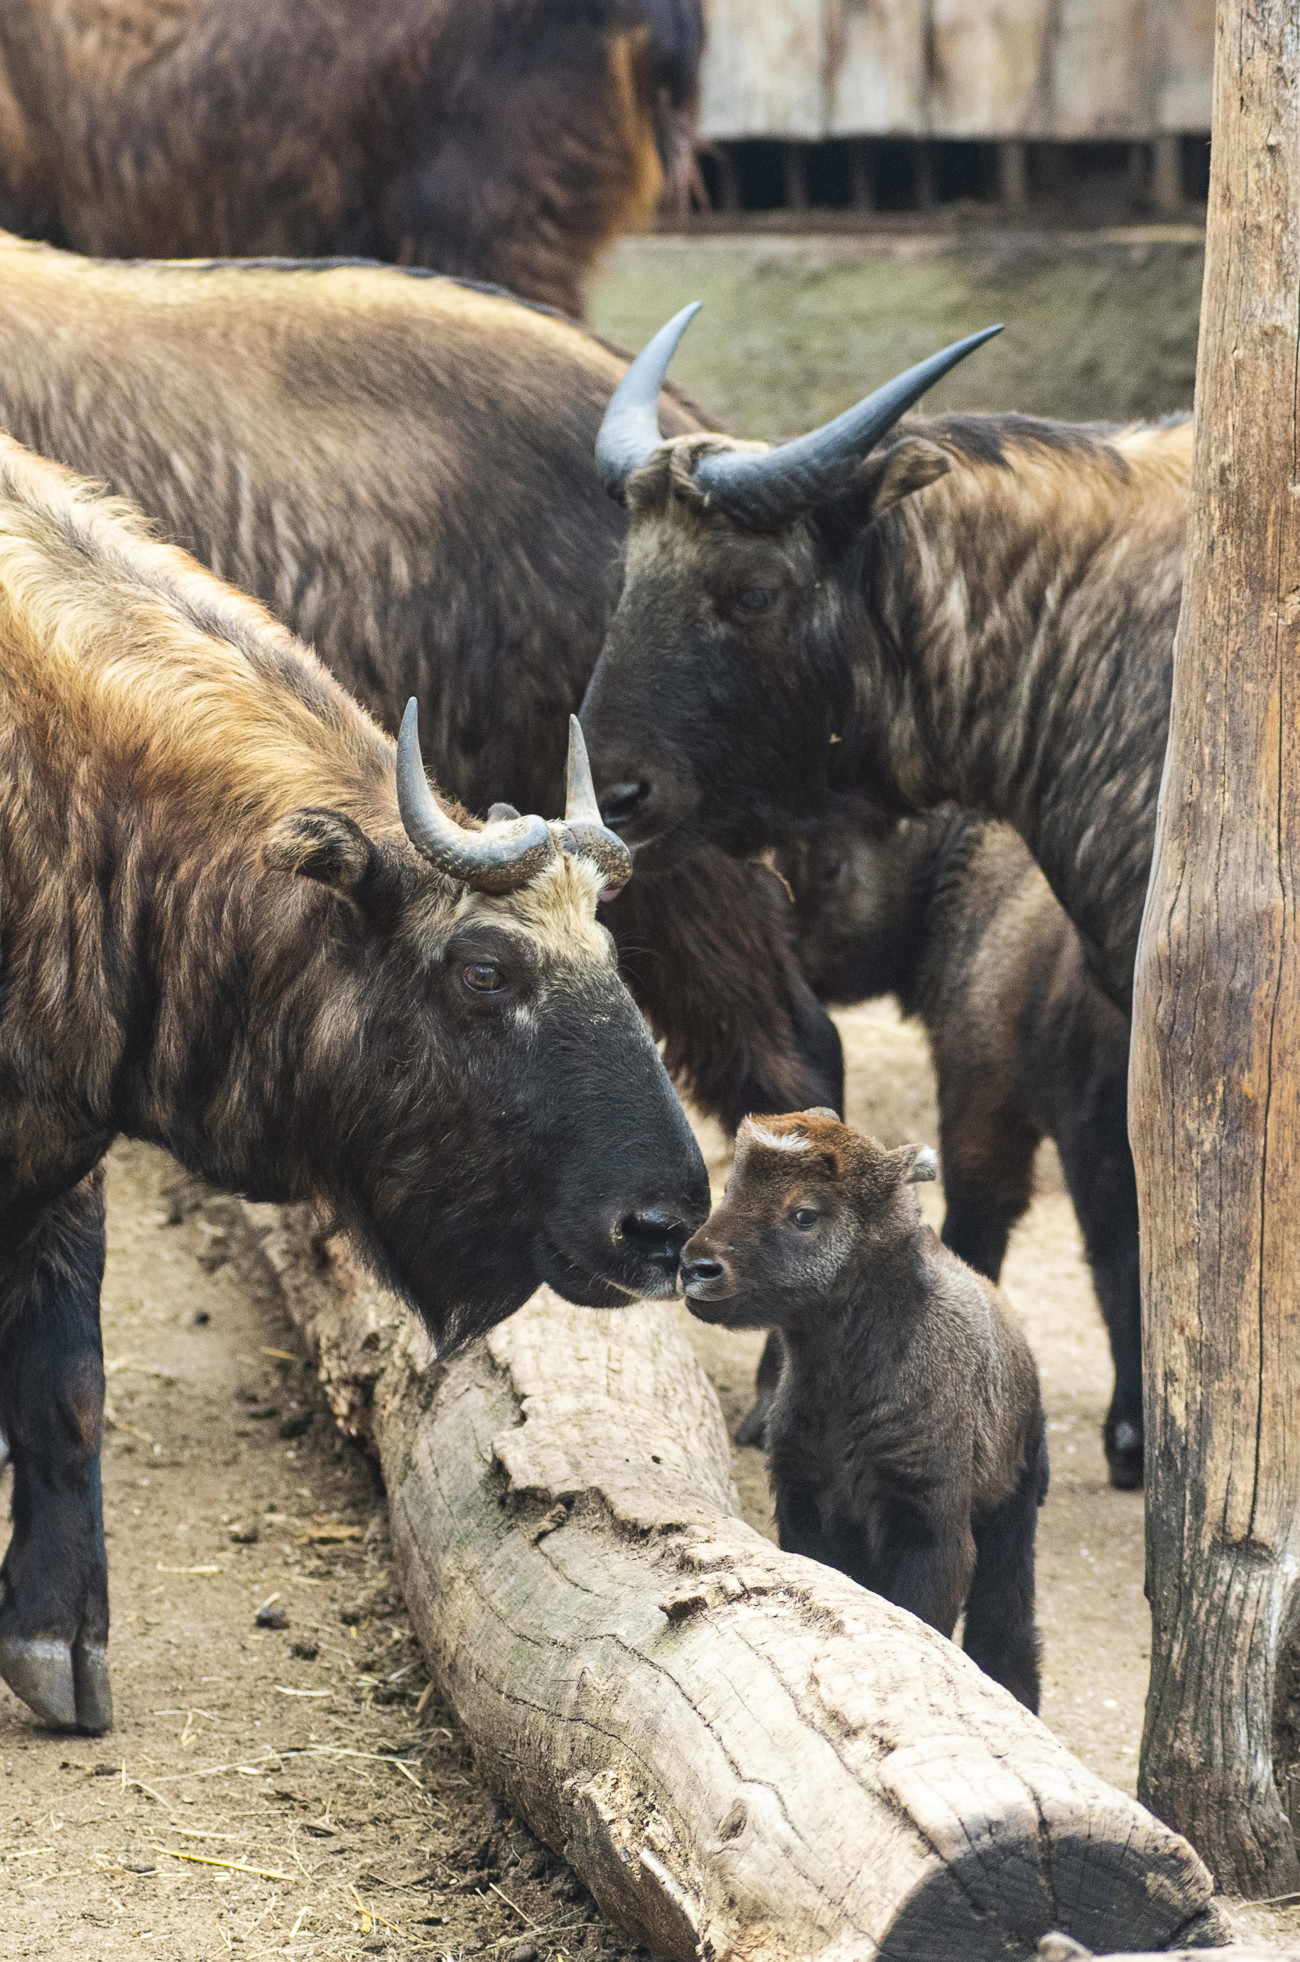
{"x":779,"y":1140}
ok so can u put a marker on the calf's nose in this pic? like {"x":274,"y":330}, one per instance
{"x":698,"y":1268}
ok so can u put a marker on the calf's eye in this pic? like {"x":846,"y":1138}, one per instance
{"x":483,"y":978}
{"x":756,"y":599}
{"x":804,"y":1216}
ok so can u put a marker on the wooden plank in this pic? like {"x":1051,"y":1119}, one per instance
{"x":804,"y":69}
{"x":764,"y":70}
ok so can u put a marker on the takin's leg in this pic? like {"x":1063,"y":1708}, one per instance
{"x":54,"y":1579}
{"x":988,"y":1172}
{"x":1098,"y":1169}
{"x":1000,"y":1634}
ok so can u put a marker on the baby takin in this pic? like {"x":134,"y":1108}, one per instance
{"x":906,"y":1440}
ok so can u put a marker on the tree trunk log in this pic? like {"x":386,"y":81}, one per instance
{"x":741,"y":1753}
{"x":1214,"y":1103}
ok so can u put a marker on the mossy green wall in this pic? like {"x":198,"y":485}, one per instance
{"x":794,"y":328}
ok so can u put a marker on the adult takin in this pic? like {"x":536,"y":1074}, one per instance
{"x":906,"y":1442}
{"x":235,"y":922}
{"x":949,"y":914}
{"x":507,"y":140}
{"x":400,"y":466}
{"x":975,"y":609}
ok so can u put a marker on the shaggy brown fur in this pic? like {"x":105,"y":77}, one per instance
{"x":983,"y":613}
{"x":401,"y":468}
{"x":506,"y":139}
{"x":952,"y":916}
{"x":215,"y":935}
{"x":906,"y":1439}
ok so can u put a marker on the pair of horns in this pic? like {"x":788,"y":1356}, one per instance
{"x":509,"y":850}
{"x":777,"y":484}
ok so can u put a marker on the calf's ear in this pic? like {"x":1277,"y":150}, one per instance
{"x":920,"y":1163}
{"x":333,"y":850}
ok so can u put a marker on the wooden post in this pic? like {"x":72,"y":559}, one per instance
{"x":1167,"y":174}
{"x":1013,"y":174}
{"x":1215,"y":1079}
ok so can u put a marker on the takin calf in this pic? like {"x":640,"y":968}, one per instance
{"x":952,"y":916}
{"x":906,"y":1439}
{"x":236,"y":922}
{"x":510,"y":140}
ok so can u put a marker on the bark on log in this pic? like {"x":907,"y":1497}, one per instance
{"x":741,"y":1753}
{"x":1213,"y":1112}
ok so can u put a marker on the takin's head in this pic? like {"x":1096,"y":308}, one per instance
{"x":809,"y":1204}
{"x":472,"y":1084}
{"x":722,"y":685}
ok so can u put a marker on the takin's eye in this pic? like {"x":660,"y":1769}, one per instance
{"x":751,"y":601}
{"x":483,"y":978}
{"x":805,"y":1218}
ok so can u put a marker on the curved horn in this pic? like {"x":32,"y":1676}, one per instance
{"x":630,"y":432}
{"x":776,"y":484}
{"x":582,"y":831}
{"x":493,"y":860}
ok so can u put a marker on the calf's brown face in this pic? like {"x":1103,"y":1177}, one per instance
{"x":808,"y":1199}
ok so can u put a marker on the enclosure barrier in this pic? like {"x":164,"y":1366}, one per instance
{"x":739,"y":1752}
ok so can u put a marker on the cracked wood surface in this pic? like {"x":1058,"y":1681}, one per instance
{"x":741,"y":1753}
{"x":1214,"y":1115}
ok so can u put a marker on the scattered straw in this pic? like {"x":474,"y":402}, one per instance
{"x":512,"y":1904}
{"x":231,"y":1866}
{"x":281,"y":1355}
{"x":186,"y":1570}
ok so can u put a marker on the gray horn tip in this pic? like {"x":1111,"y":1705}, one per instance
{"x":629,"y":434}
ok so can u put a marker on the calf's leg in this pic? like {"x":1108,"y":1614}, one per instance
{"x":54,"y":1578}
{"x":1000,"y":1634}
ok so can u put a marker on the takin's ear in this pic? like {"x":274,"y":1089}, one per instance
{"x":890,"y":475}
{"x":824,"y":1110}
{"x":920,"y":1164}
{"x":334,"y":851}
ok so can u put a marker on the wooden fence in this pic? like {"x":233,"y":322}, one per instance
{"x":807,"y":70}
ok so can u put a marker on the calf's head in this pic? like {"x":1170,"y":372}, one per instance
{"x":472,"y":1085}
{"x":809,"y":1203}
{"x":723,"y":684}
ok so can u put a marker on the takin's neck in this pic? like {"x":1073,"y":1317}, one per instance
{"x":1031,"y":606}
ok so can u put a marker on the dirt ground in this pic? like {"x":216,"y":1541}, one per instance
{"x":290,"y":1789}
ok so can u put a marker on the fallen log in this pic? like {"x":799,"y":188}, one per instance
{"x":740,"y":1753}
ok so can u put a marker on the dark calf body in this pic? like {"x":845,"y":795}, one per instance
{"x":400,"y":467}
{"x":235,"y":923}
{"x":951,"y":915}
{"x":906,"y":1439}
{"x":509,"y":140}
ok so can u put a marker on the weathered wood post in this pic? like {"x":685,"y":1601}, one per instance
{"x":1215,"y":1080}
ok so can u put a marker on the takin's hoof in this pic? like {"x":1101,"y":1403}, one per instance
{"x":65,"y":1685}
{"x":753,"y":1427}
{"x":1124,"y":1455}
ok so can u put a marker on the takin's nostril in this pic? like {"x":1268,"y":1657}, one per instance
{"x":658,"y":1232}
{"x":702,"y":1269}
{"x":622,"y":801}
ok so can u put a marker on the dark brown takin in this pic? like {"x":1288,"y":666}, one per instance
{"x":236,"y":922}
{"x":906,"y":1440}
{"x":508,"y":140}
{"x":401,"y":468}
{"x":950,"y":914}
{"x":968,"y":608}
